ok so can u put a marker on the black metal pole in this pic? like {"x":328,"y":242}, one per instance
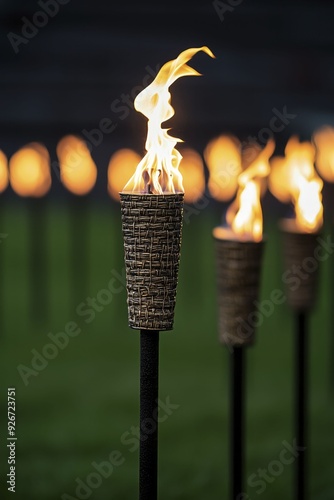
{"x":149,"y":393}
{"x":301,"y":403}
{"x":237,"y":420}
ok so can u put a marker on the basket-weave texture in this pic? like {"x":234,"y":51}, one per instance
{"x":238,"y":266}
{"x":152,"y":226}
{"x":301,"y":269}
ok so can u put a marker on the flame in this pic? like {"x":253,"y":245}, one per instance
{"x":122,"y":165}
{"x":245,"y":214}
{"x":302,"y":184}
{"x":78,"y":171}
{"x":324,"y":141}
{"x":29,"y":171}
{"x":4,"y":173}
{"x":192,"y":171}
{"x":277,"y":179}
{"x":223,"y":158}
{"x":158,"y":172}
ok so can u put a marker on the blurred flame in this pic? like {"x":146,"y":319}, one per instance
{"x":305,"y":185}
{"x":245,"y":214}
{"x":192,"y":171}
{"x":277,"y":179}
{"x":4,"y":173}
{"x":324,"y":141}
{"x":158,"y":172}
{"x":29,"y":170}
{"x":223,"y":158}
{"x":78,"y":171}
{"x":122,"y":166}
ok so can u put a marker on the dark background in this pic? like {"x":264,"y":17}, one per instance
{"x":65,"y":80}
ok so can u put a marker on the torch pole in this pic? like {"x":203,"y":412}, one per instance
{"x":149,"y":393}
{"x":301,"y":402}
{"x":237,"y":405}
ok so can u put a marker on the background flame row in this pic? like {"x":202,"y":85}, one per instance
{"x":225,"y":157}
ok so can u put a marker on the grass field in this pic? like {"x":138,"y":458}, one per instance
{"x":75,"y":411}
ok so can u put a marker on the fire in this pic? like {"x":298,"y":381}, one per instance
{"x":277,"y":179}
{"x":223,"y":159}
{"x":158,"y":172}
{"x":78,"y":171}
{"x":122,"y":166}
{"x":324,"y":141}
{"x":29,"y":171}
{"x":300,"y":184}
{"x":192,"y":171}
{"x":245,"y":214}
{"x":4,"y":174}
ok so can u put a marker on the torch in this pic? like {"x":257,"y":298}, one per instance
{"x":152,"y":209}
{"x":78,"y":174}
{"x":300,"y":185}
{"x":324,"y":142}
{"x":29,"y":170}
{"x":239,"y":249}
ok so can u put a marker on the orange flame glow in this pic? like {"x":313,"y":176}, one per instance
{"x":245,"y":214}
{"x":324,"y":141}
{"x":78,"y":171}
{"x":223,"y":159}
{"x":305,"y":185}
{"x":158,"y":172}
{"x":4,"y":173}
{"x":29,"y":171}
{"x":277,"y":179}
{"x":192,"y":171}
{"x":122,"y":166}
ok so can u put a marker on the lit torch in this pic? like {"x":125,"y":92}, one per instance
{"x":30,"y":177}
{"x":152,"y":204}
{"x":152,"y":211}
{"x":239,"y":250}
{"x":301,"y":186}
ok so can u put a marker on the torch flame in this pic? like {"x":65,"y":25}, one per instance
{"x":29,"y":170}
{"x":324,"y":141}
{"x":223,"y":158}
{"x":77,"y":169}
{"x":245,"y":214}
{"x":158,"y":172}
{"x":305,"y":185}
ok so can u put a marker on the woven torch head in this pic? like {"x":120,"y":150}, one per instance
{"x":238,"y":266}
{"x":301,"y":268}
{"x":152,"y":226}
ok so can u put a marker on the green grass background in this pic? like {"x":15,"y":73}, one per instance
{"x":76,"y":410}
